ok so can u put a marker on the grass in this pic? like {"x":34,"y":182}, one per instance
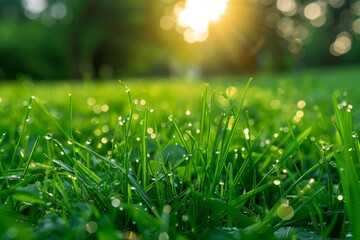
{"x":276,"y":157}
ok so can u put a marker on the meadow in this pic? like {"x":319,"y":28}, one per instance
{"x":275,"y":157}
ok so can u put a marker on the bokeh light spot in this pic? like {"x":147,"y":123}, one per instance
{"x":341,"y":45}
{"x":312,"y":11}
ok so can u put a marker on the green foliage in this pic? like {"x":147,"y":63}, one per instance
{"x":171,"y":161}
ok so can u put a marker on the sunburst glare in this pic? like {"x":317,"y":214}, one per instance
{"x":196,"y":15}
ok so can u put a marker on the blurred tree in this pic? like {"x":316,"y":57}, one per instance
{"x":61,"y":39}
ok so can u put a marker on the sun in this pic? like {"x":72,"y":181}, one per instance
{"x":196,"y":15}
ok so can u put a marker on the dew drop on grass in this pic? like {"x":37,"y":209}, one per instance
{"x":22,"y":153}
{"x":340,"y":197}
{"x":349,"y":236}
{"x":115,"y":202}
{"x":185,"y":218}
{"x":277,"y":182}
{"x":13,"y":177}
{"x":285,"y":212}
{"x":88,"y":142}
{"x":91,"y":227}
{"x":48,"y":136}
{"x":163,"y":236}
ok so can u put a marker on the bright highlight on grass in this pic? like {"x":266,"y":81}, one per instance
{"x":196,"y":16}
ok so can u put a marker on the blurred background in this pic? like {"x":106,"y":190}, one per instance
{"x":104,"y":39}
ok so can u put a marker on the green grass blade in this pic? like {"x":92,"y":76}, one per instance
{"x":349,"y":172}
{"x":30,"y":158}
{"x":294,"y":145}
{"x":25,"y":121}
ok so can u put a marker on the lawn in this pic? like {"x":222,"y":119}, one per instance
{"x":275,"y":157}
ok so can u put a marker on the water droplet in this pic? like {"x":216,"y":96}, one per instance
{"x":349,"y":236}
{"x":91,"y":227}
{"x":115,"y":202}
{"x":13,"y":177}
{"x":285,"y":212}
{"x":22,"y":153}
{"x":163,"y":236}
{"x":277,"y":182}
{"x":48,"y":136}
{"x":167,"y":208}
{"x":185,"y":218}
